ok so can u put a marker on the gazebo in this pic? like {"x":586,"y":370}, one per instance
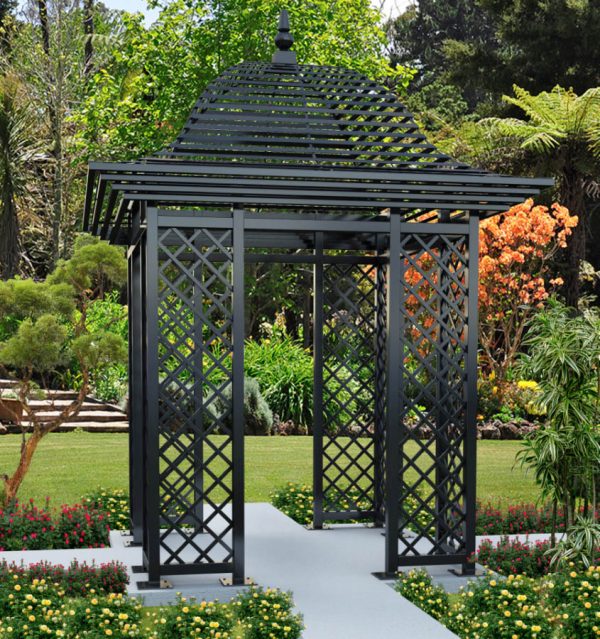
{"x":321,"y":166}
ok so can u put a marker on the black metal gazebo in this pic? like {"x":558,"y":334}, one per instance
{"x":314,"y":165}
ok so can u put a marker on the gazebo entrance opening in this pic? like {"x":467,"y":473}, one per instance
{"x":390,"y":311}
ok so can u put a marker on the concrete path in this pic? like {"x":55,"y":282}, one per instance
{"x":328,"y":571}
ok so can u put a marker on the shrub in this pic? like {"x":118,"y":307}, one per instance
{"x":284,"y":371}
{"x":511,"y":556}
{"x":417,"y":587}
{"x":295,"y":501}
{"x":78,"y":579}
{"x":519,"y":518}
{"x":114,"y":616}
{"x":258,"y":418}
{"x":574,"y":598}
{"x":187,"y":618}
{"x":500,"y":608}
{"x":26,"y":527}
{"x":268,"y":614}
{"x":114,"y":503}
{"x":81,"y":527}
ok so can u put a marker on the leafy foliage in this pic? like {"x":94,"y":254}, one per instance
{"x":137,"y":103}
{"x":561,"y":131}
{"x":284,"y":371}
{"x":564,"y":454}
{"x":46,"y":325}
{"x":417,"y":586}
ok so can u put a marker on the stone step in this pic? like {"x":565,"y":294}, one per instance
{"x":90,"y":427}
{"x":59,"y":404}
{"x":85,"y":416}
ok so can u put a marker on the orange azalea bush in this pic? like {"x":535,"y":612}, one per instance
{"x":514,"y":276}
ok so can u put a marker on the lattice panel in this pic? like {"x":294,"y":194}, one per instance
{"x":348,"y":389}
{"x":195,"y":409}
{"x":434,"y":312}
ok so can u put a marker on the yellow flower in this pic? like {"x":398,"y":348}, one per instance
{"x":536,"y":628}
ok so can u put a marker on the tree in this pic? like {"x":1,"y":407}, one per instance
{"x":419,"y":37}
{"x":537,"y":45}
{"x":562,"y":132}
{"x":515,"y":250}
{"x":44,"y":324}
{"x":139,"y":101}
{"x":17,"y":148}
{"x":564,"y":454}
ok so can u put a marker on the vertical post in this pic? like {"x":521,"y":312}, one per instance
{"x":442,"y":383}
{"x":238,"y":397}
{"x":136,"y":407}
{"x":152,"y":443}
{"x":471,"y":392}
{"x":198,"y":377}
{"x":318,"y":383}
{"x":393,"y":400}
{"x":379,"y":418}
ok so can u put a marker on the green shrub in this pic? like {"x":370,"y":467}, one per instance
{"x":512,"y":556}
{"x":284,"y":372}
{"x":500,"y":608}
{"x":573,"y":596}
{"x":115,"y":616}
{"x":268,"y":614}
{"x":77,"y":579}
{"x":417,"y":587}
{"x":113,"y":503}
{"x":295,"y":501}
{"x":258,"y":418}
{"x":187,"y":618}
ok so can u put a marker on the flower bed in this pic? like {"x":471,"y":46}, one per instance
{"x":37,"y":608}
{"x":114,"y":503}
{"x":564,"y":605}
{"x":511,"y":556}
{"x":78,"y":579}
{"x":28,"y":527}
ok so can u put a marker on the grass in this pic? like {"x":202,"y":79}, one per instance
{"x":67,"y":465}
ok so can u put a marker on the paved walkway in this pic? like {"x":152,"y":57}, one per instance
{"x":329,"y":573}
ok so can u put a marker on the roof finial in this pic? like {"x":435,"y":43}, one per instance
{"x":284,"y":40}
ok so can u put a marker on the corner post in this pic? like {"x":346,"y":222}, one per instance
{"x":471,"y":392}
{"x":151,"y":546}
{"x":380,"y":362}
{"x":394,"y":392}
{"x":318,"y":383}
{"x":238,"y":334}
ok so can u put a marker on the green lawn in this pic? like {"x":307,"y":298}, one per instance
{"x":68,"y":465}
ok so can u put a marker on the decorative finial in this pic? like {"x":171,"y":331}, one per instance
{"x":284,"y":40}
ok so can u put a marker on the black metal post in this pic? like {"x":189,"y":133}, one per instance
{"x":151,"y":545}
{"x":318,"y":303}
{"x":238,"y":333}
{"x":471,"y":392}
{"x":136,"y":401}
{"x":198,"y":377}
{"x":394,"y":395}
{"x":380,"y":398}
{"x":442,"y":396}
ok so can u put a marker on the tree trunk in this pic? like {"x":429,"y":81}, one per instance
{"x":55,"y":98}
{"x":13,"y":483}
{"x":88,"y":29}
{"x":9,"y":232}
{"x":571,"y":193}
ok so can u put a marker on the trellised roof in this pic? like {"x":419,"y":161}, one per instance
{"x":303,"y":115}
{"x":283,"y":135}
